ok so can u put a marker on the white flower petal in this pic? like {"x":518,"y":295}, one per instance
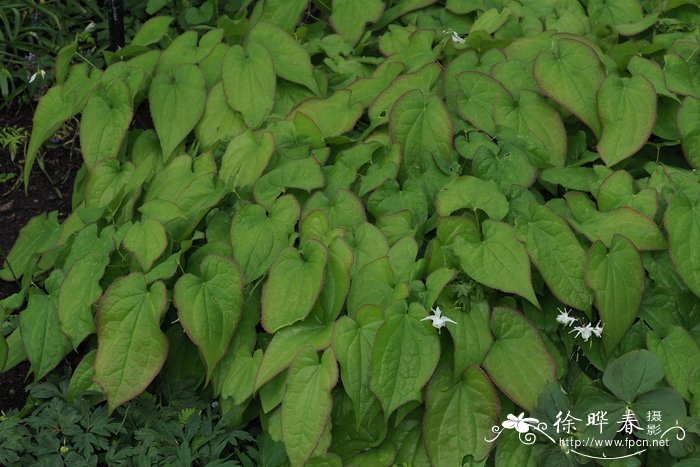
{"x":522,"y":427}
{"x":509,"y":424}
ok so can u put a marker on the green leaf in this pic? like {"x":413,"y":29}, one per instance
{"x":219,"y":121}
{"x":131,"y":348}
{"x":673,"y":410}
{"x":435,"y":284}
{"x":689,"y":128}
{"x":152,"y":31}
{"x":510,"y":450}
{"x":627,"y":110}
{"x":390,"y":199}
{"x":81,"y":381}
{"x":652,"y":72}
{"x":181,"y":51}
{"x":421,"y":124}
{"x":349,"y":17}
{"x":498,"y":261}
{"x":293,"y":286}
{"x":249,"y":82}
{"x":471,"y":335}
{"x":106,"y":183}
{"x":479,"y":94}
{"x":413,"y":49}
{"x":518,"y":361}
{"x":404,"y":356}
{"x":307,"y":404}
{"x":337,"y":282}
{"x":209,"y":305}
{"x":177,"y":98}
{"x":246,"y":158}
{"x":617,"y":190}
{"x":334,"y":115}
{"x":39,"y":235}
{"x":106,"y":117}
{"x":682,"y":222}
{"x":557,"y":254}
{"x":633,"y":374}
{"x":84,"y":267}
{"x":572,"y":178}
{"x":15,"y":350}
{"x":344,"y":210}
{"x":353,"y":342}
{"x":400,"y":8}
{"x":570,"y":73}
{"x":285,"y":345}
{"x":459,"y":414}
{"x":257,"y":239}
{"x":679,"y":354}
{"x":43,"y":340}
{"x":284,"y":13}
{"x":147,"y":241}
{"x":4,"y":350}
{"x":490,"y":20}
{"x":537,"y":126}
{"x":423,"y":80}
{"x":182,"y":193}
{"x":291,"y":61}
{"x":239,"y":380}
{"x":508,"y":167}
{"x":516,"y":76}
{"x":682,"y":76}
{"x":616,"y":277}
{"x":53,"y":109}
{"x":373,"y":284}
{"x":62,"y":62}
{"x":614,"y":13}
{"x":80,"y":290}
{"x":467,"y":192}
{"x":596,"y":225}
{"x":365,"y":90}
{"x":305,"y":174}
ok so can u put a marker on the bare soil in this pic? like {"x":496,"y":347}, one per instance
{"x":50,"y":191}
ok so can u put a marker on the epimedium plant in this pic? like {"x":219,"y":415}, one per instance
{"x":315,"y":203}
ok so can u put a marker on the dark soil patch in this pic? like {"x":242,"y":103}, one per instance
{"x":50,"y":191}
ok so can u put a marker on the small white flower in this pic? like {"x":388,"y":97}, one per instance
{"x":90,"y":27}
{"x":438,"y":320}
{"x":520,"y":423}
{"x":564,"y":317}
{"x":598,"y":329}
{"x":455,"y":36}
{"x":584,"y":331}
{"x":39,"y":72}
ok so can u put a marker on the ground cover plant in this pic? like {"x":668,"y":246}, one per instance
{"x":175,"y":427}
{"x":383,"y":233}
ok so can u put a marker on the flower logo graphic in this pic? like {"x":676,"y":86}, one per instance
{"x":520,"y":423}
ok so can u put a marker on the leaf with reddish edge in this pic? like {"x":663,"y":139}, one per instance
{"x":131,"y":348}
{"x":209,"y":305}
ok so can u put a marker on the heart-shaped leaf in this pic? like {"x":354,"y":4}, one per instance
{"x":627,"y":109}
{"x":292,"y":288}
{"x":131,"y":348}
{"x":518,"y":361}
{"x":249,"y":82}
{"x":209,"y":305}
{"x":177,"y":98}
{"x":616,"y":277}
